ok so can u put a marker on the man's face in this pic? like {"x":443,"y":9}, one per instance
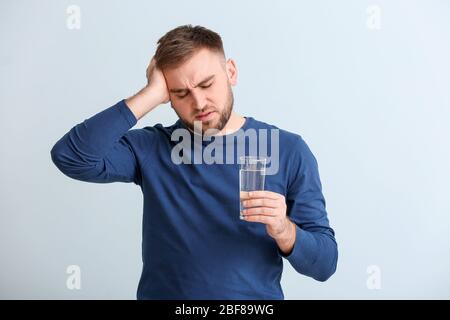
{"x":200,"y":90}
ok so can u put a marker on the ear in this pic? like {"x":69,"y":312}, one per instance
{"x":231,"y":70}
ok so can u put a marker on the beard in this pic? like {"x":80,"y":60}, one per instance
{"x":220,"y":122}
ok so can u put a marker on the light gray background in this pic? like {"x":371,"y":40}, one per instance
{"x":373,"y":105}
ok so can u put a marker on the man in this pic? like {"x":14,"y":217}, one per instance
{"x":195,"y":246}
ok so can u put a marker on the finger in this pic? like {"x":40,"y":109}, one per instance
{"x":261,"y":202}
{"x":259,"y":218}
{"x":260,"y":210}
{"x":264,"y":194}
{"x":244,"y":195}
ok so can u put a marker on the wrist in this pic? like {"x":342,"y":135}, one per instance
{"x":287,"y":232}
{"x":286,"y":239}
{"x":143,"y":102}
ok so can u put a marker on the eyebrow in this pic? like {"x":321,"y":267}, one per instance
{"x":204,"y":81}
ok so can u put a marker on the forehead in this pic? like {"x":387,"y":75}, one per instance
{"x":202,"y":64}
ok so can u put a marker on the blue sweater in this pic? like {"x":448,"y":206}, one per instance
{"x":194,"y":244}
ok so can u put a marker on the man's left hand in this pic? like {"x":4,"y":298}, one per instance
{"x":269,"y":208}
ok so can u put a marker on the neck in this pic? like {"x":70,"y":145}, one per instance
{"x":235,"y":122}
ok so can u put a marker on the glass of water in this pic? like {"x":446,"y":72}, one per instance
{"x":252,"y":173}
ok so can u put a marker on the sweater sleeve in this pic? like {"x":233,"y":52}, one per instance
{"x":315,"y":251}
{"x":98,"y":149}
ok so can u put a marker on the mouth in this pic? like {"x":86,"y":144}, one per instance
{"x":205,"y":116}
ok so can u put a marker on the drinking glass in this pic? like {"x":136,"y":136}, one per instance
{"x":252,"y":173}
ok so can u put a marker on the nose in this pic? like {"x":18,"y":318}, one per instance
{"x":199,"y":100}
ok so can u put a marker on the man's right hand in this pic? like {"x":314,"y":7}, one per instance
{"x":152,"y":95}
{"x":156,"y":81}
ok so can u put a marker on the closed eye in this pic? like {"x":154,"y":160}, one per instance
{"x":203,"y":87}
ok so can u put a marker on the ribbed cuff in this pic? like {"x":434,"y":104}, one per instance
{"x":127,"y":113}
{"x":303,"y":254}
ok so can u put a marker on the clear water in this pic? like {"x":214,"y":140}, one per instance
{"x":250,"y":180}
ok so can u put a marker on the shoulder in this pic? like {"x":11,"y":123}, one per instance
{"x":148,"y":137}
{"x":292,"y":147}
{"x":150,"y":132}
{"x":287,"y":139}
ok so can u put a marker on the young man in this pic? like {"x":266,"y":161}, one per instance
{"x":195,"y":246}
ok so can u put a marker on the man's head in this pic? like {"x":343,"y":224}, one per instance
{"x":198,"y":78}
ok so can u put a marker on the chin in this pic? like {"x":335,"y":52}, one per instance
{"x":209,"y":127}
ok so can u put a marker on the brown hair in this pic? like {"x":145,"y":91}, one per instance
{"x":179,"y":44}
